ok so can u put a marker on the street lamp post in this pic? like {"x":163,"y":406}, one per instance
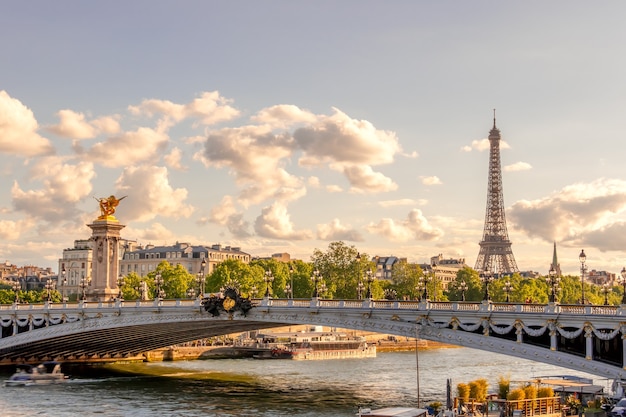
{"x":369,"y":278}
{"x":315,"y":277}
{"x":359,"y":289}
{"x":508,"y":287}
{"x":553,"y":281}
{"x":63,"y":283}
{"x":463,"y":288}
{"x":288,"y":290}
{"x":16,"y":288}
{"x":606,"y":290}
{"x":291,"y":271}
{"x":191,"y":293}
{"x":486,"y":275}
{"x":253,"y":291}
{"x":49,"y":287}
{"x":623,"y":281}
{"x":423,"y":286}
{"x":268,"y":278}
{"x":84,"y":283}
{"x":583,"y":269}
{"x":120,"y":284}
{"x":158,"y":281}
{"x":200,"y":278}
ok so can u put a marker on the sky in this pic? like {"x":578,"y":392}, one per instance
{"x":282,"y":126}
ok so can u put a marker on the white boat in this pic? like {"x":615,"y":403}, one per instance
{"x":45,"y":373}
{"x":393,"y":412}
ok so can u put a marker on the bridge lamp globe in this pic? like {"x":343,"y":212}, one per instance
{"x":463,"y":288}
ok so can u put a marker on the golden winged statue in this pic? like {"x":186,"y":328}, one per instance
{"x":107,"y":206}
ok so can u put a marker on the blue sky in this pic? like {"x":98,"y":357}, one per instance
{"x":281,"y":126}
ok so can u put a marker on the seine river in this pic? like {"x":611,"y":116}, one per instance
{"x":267,"y":388}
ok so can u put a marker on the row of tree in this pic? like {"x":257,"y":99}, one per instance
{"x":340,"y":272}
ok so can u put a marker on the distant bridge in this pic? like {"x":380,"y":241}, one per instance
{"x":586,"y":338}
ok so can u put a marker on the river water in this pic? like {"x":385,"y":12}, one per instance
{"x":267,"y":388}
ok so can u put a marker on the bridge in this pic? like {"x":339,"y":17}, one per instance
{"x":586,"y":338}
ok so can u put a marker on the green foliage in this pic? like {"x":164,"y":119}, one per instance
{"x":436,"y":406}
{"x":545,"y":392}
{"x":478,"y":389}
{"x":504,"y":385}
{"x":516,"y":394}
{"x":341,"y":270}
{"x":463,"y":391}
{"x":406,"y":280}
{"x":475,"y":289}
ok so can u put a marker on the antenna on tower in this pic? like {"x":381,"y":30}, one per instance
{"x":494,"y":118}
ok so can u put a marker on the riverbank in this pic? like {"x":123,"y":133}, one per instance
{"x":383,"y":343}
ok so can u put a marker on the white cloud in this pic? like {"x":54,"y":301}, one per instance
{"x":74,"y":125}
{"x":415,"y":227}
{"x":483,"y":145}
{"x":254,"y":156}
{"x":174,"y":160}
{"x":13,"y":230}
{"x":336,"y":231}
{"x":63,"y":185}
{"x":334,"y":188}
{"x":340,"y":139}
{"x":282,"y":116}
{"x":432,"y":180}
{"x":129,"y":148}
{"x":363,"y":179}
{"x":403,"y":202}
{"x":150,"y":194}
{"x":577,"y":213}
{"x":18,"y":129}
{"x":210,"y":108}
{"x":226,"y":214}
{"x":518,"y":166}
{"x":274,"y":222}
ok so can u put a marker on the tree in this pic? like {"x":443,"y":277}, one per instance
{"x":233,"y":272}
{"x":406,"y":280}
{"x":176,"y":280}
{"x":341,"y":268}
{"x":475,"y":287}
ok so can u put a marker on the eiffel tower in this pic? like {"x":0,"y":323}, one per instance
{"x":495,"y":256}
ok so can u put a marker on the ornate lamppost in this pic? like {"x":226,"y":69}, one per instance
{"x":553,"y":281}
{"x":63,"y":283}
{"x":606,"y":290}
{"x":158,"y":281}
{"x":508,"y":287}
{"x":288,"y":290}
{"x":622,"y":279}
{"x":268,"y":278}
{"x":315,"y":277}
{"x":423,"y":287}
{"x":486,"y":276}
{"x":291,"y":271}
{"x":200,"y":279}
{"x":463,"y":288}
{"x":359,"y":289}
{"x":191,"y":293}
{"x":120,"y":284}
{"x":253,"y":291}
{"x":583,"y":269}
{"x":84,"y":283}
{"x":369,"y":278}
{"x":16,"y":288}
{"x":49,"y":287}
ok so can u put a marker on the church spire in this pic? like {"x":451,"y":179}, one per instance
{"x":555,"y":262}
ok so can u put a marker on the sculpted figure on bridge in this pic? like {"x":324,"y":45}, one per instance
{"x":107,"y":207}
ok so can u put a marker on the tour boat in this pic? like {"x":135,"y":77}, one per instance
{"x":393,"y":412}
{"x":45,"y":373}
